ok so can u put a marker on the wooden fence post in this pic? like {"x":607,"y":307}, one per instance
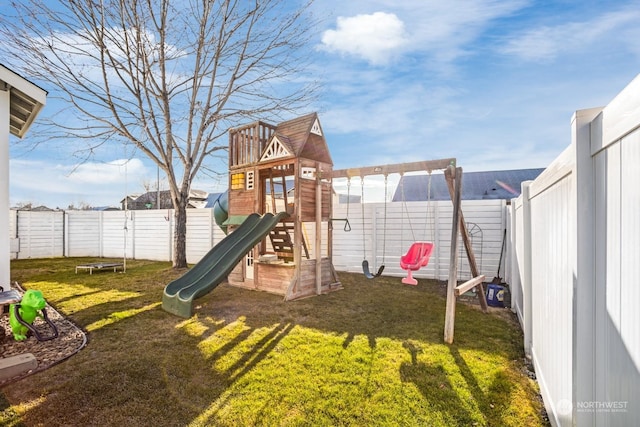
{"x":450,"y":313}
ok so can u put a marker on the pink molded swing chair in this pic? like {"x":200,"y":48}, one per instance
{"x":417,"y":257}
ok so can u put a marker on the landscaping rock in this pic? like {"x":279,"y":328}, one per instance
{"x":47,"y":353}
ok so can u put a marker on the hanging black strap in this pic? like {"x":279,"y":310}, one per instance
{"x":365,"y":263}
{"x":347,"y":226}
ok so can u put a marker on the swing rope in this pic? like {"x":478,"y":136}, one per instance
{"x":347,"y":226}
{"x":430,"y":215}
{"x":364,"y":243}
{"x":430,"y":220}
{"x":365,"y":262}
{"x":384,"y":232}
{"x":406,"y":209}
{"x":419,"y":252}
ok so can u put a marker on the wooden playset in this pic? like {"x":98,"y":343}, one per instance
{"x":279,"y":221}
{"x":284,"y":168}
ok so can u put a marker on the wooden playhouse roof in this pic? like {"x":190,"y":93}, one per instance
{"x":304,"y":137}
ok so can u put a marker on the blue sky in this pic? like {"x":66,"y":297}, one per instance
{"x":491,"y":82}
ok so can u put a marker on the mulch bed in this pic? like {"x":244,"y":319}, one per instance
{"x":70,"y":340}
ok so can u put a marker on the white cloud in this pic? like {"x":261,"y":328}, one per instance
{"x":58,"y":185}
{"x":548,"y":42}
{"x":77,"y":51}
{"x":381,"y":112}
{"x":113,"y":172}
{"x":376,"y":37}
{"x":440,"y":30}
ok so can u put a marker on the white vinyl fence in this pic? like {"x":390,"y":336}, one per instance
{"x":383,"y":240}
{"x":574,"y":265}
{"x":148,"y":234}
{"x":137,"y":234}
{"x":36,"y":234}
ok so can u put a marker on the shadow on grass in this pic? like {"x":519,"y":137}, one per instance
{"x":198,"y":386}
{"x":150,"y":363}
{"x":493,"y":403}
{"x":433,"y":382}
{"x":73,"y":297}
{"x":258,"y":352}
{"x":380,"y":308}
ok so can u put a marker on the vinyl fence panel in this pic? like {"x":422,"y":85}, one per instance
{"x":39,"y":234}
{"x":617,"y":319}
{"x":117,"y":234}
{"x":383,"y":239}
{"x":513,"y":248}
{"x":201,"y":233}
{"x":14,"y":242}
{"x":575,"y":266}
{"x":152,"y":232}
{"x":83,"y":233}
{"x":553,"y":237}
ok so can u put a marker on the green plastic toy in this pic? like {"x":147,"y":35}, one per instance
{"x":22,"y":315}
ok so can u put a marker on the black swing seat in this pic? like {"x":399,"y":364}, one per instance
{"x":367,"y":273}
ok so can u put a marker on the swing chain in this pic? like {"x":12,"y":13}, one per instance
{"x":406,"y":209}
{"x":430,"y":222}
{"x":384,"y":236}
{"x":348,"y":194}
{"x":347,"y":226}
{"x":430,"y":215}
{"x":364,"y":242}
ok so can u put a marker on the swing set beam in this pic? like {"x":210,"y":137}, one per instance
{"x":401,"y":168}
{"x":453,"y":177}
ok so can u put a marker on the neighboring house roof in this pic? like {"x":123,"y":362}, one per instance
{"x":211,"y":199}
{"x":198,"y":194}
{"x":149,"y":200}
{"x":475,"y":185}
{"x":40,"y":208}
{"x":106,"y":208}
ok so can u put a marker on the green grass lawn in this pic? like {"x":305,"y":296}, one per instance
{"x":371,"y":354}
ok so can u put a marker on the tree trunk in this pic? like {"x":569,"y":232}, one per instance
{"x":180,"y":235}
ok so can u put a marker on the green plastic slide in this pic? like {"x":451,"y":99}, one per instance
{"x":216,"y":265}
{"x":221,"y":210}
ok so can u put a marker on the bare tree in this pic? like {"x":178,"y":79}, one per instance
{"x":165,"y":77}
{"x":81,"y":206}
{"x":24,"y":206}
